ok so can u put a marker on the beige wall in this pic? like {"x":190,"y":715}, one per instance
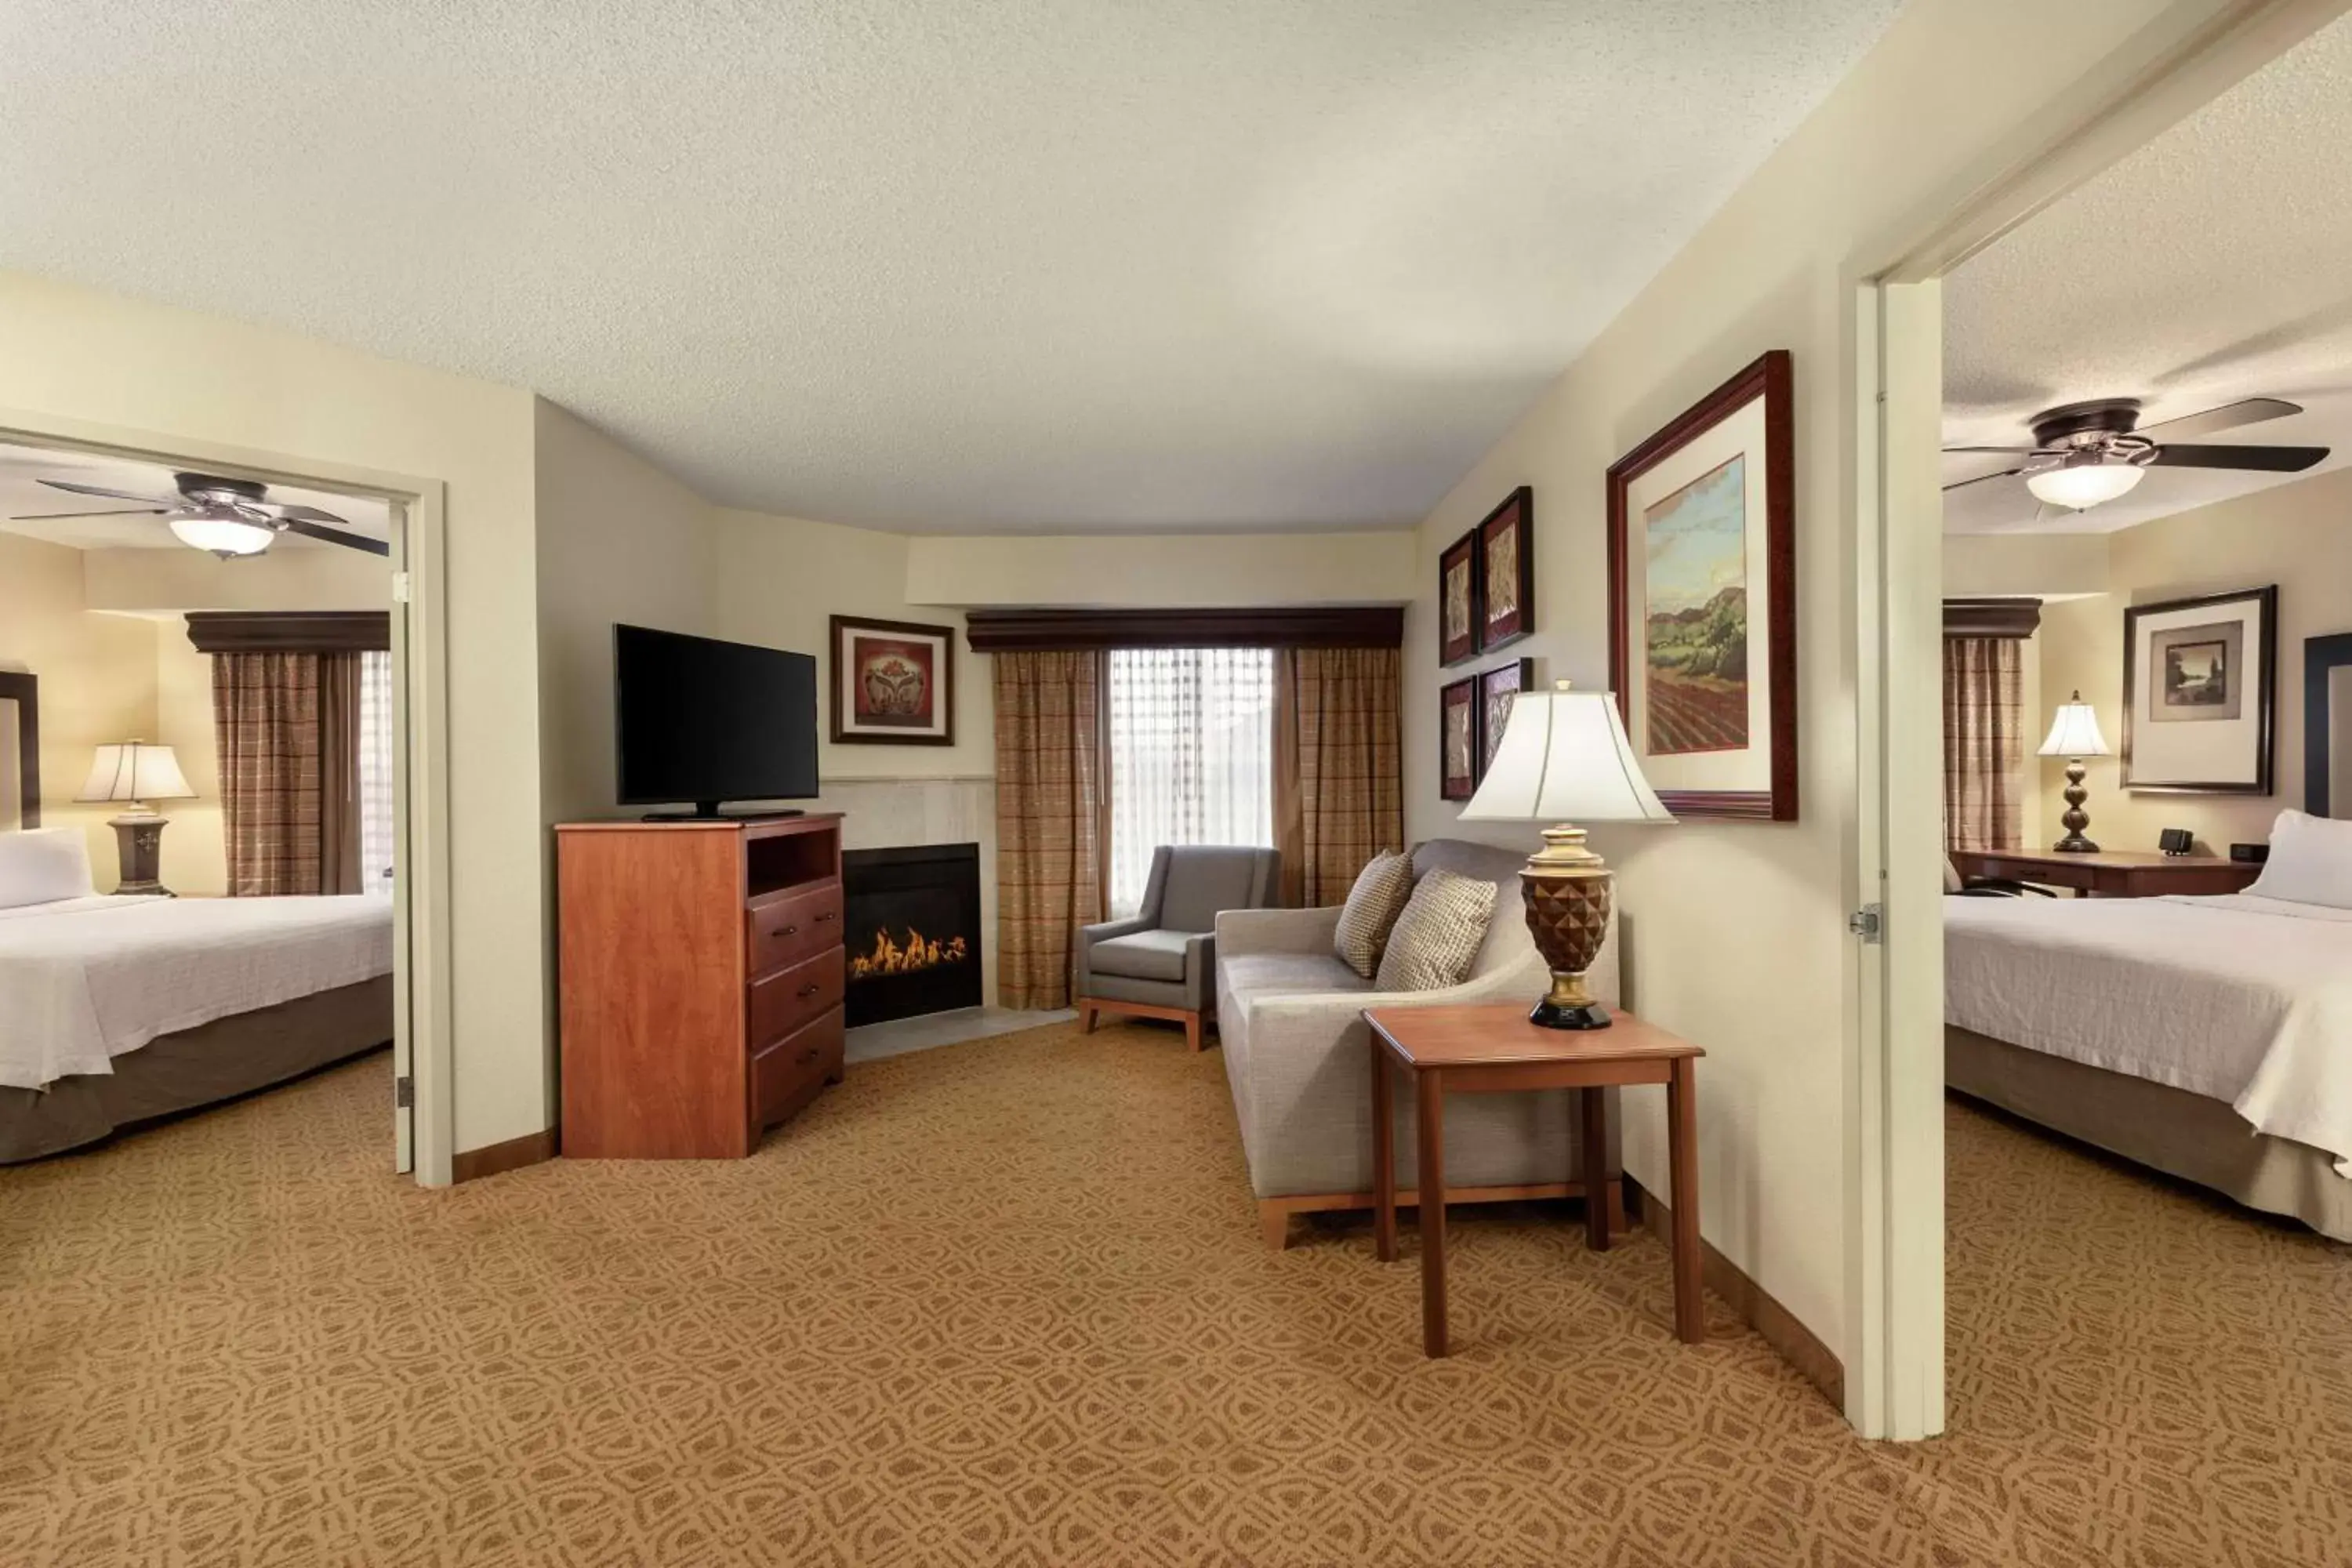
{"x":77,"y":354}
{"x":177,"y":580}
{"x":2024,"y":566}
{"x":195,"y":846}
{"x":96,"y":675}
{"x":1158,"y":570}
{"x":1736,"y":933}
{"x":2298,"y":536}
{"x":619,"y":539}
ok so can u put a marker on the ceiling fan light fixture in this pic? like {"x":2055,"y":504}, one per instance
{"x":2081,"y":486}
{"x":225,"y":535}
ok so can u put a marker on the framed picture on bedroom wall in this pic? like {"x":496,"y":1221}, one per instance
{"x":1703,"y":601}
{"x":1458,"y":600}
{"x":1506,"y":571}
{"x":2199,"y":681}
{"x":893,"y":683}
{"x":1457,"y":739}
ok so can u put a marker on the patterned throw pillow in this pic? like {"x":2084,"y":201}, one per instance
{"x":1437,"y":937}
{"x":1373,"y":904}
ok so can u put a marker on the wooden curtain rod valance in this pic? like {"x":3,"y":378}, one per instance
{"x":1991,"y":618}
{"x":1319,"y":625}
{"x":290,"y":631}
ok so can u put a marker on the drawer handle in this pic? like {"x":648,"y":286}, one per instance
{"x":810,"y":990}
{"x":807,"y":1056}
{"x":788,"y":930}
{"x":828,"y":915}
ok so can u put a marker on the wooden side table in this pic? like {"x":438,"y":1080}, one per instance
{"x":1493,"y":1049}
{"x":2111,"y":873}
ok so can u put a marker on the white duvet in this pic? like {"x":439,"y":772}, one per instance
{"x":2243,"y":999}
{"x":82,"y":981}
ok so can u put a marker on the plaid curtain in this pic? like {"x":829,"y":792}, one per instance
{"x":1050,"y":807}
{"x":1339,"y":791}
{"x":266,"y":725}
{"x":1984,"y":742}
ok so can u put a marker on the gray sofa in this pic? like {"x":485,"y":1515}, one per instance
{"x":1297,"y":1058}
{"x":1162,"y":964}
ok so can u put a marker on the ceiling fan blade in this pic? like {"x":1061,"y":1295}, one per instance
{"x":2214,"y":421}
{"x":1980,"y":478}
{"x":2262,"y":459}
{"x":308,"y":514}
{"x":54,"y":516}
{"x":337,"y":536}
{"x":68,"y":485}
{"x":2011,"y":451}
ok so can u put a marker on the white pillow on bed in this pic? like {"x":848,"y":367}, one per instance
{"x":43,"y":865}
{"x":2310,"y":863}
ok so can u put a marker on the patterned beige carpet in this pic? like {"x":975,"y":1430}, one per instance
{"x":1006,"y":1303}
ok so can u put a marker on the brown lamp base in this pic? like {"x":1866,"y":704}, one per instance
{"x":140,"y":838}
{"x":1566,"y":889}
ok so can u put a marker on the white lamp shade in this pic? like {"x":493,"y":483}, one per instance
{"x":134,"y":770}
{"x":2084,"y":485}
{"x":2074,"y":733}
{"x":1565,"y":757}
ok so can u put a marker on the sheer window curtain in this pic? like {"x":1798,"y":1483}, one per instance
{"x":1191,"y":756}
{"x":375,"y":773}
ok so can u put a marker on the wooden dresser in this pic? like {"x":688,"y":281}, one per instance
{"x":700,"y":969}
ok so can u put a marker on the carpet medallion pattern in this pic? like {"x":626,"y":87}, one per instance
{"x":1006,"y":1303}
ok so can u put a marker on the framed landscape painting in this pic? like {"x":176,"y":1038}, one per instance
{"x":2199,"y":676}
{"x":1506,"y":571}
{"x":1457,"y":600}
{"x":1457,"y":739}
{"x":893,"y":683}
{"x":1496,"y":689}
{"x":1702,"y":600}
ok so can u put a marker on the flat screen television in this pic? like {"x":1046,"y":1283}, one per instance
{"x":700,"y":720}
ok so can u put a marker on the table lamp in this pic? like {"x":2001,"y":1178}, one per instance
{"x":135,"y":772}
{"x":1565,"y":753}
{"x":2075,"y":734}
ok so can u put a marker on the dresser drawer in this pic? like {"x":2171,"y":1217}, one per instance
{"x":789,"y":998}
{"x":784,"y":931}
{"x":788,"y":1074}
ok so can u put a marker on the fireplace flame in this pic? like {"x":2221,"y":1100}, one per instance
{"x":890,"y":956}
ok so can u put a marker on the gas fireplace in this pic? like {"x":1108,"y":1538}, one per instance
{"x":911,"y":918}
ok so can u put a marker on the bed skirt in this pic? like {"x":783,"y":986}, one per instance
{"x":2171,"y":1129}
{"x":202,"y":1066}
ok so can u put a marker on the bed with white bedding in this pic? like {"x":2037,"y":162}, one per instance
{"x":115,"y":1010}
{"x":2210,"y":1037}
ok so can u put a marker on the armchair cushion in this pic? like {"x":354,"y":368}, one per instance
{"x":1142,"y":955}
{"x":1204,"y":879}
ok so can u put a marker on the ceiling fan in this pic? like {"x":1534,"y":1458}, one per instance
{"x":2088,"y":453}
{"x":227,"y":517}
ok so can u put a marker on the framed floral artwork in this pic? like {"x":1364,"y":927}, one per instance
{"x":1497,"y":688}
{"x":1703,"y":600}
{"x":893,"y":683}
{"x":1457,"y":600}
{"x":1457,"y":739}
{"x":2200,"y":680}
{"x":1506,"y":571}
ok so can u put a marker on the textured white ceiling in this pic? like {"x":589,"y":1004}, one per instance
{"x":1060,"y":265}
{"x":2212,"y":265}
{"x":21,"y":492}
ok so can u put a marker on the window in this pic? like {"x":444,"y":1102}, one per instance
{"x":375,"y":773}
{"x":1191,"y":756}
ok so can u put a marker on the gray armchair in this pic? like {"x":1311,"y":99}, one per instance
{"x":1162,"y":964}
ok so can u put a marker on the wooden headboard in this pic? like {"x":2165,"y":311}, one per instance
{"x":25,"y":691}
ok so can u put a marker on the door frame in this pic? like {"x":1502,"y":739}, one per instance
{"x":423,"y":1039}
{"x":2186,"y":54}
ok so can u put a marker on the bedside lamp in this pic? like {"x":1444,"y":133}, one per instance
{"x":1565,"y":753}
{"x":137,"y":773}
{"x":2075,"y":734}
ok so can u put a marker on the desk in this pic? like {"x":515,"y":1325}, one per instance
{"x":2111,"y":873}
{"x":1493,"y":1049}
